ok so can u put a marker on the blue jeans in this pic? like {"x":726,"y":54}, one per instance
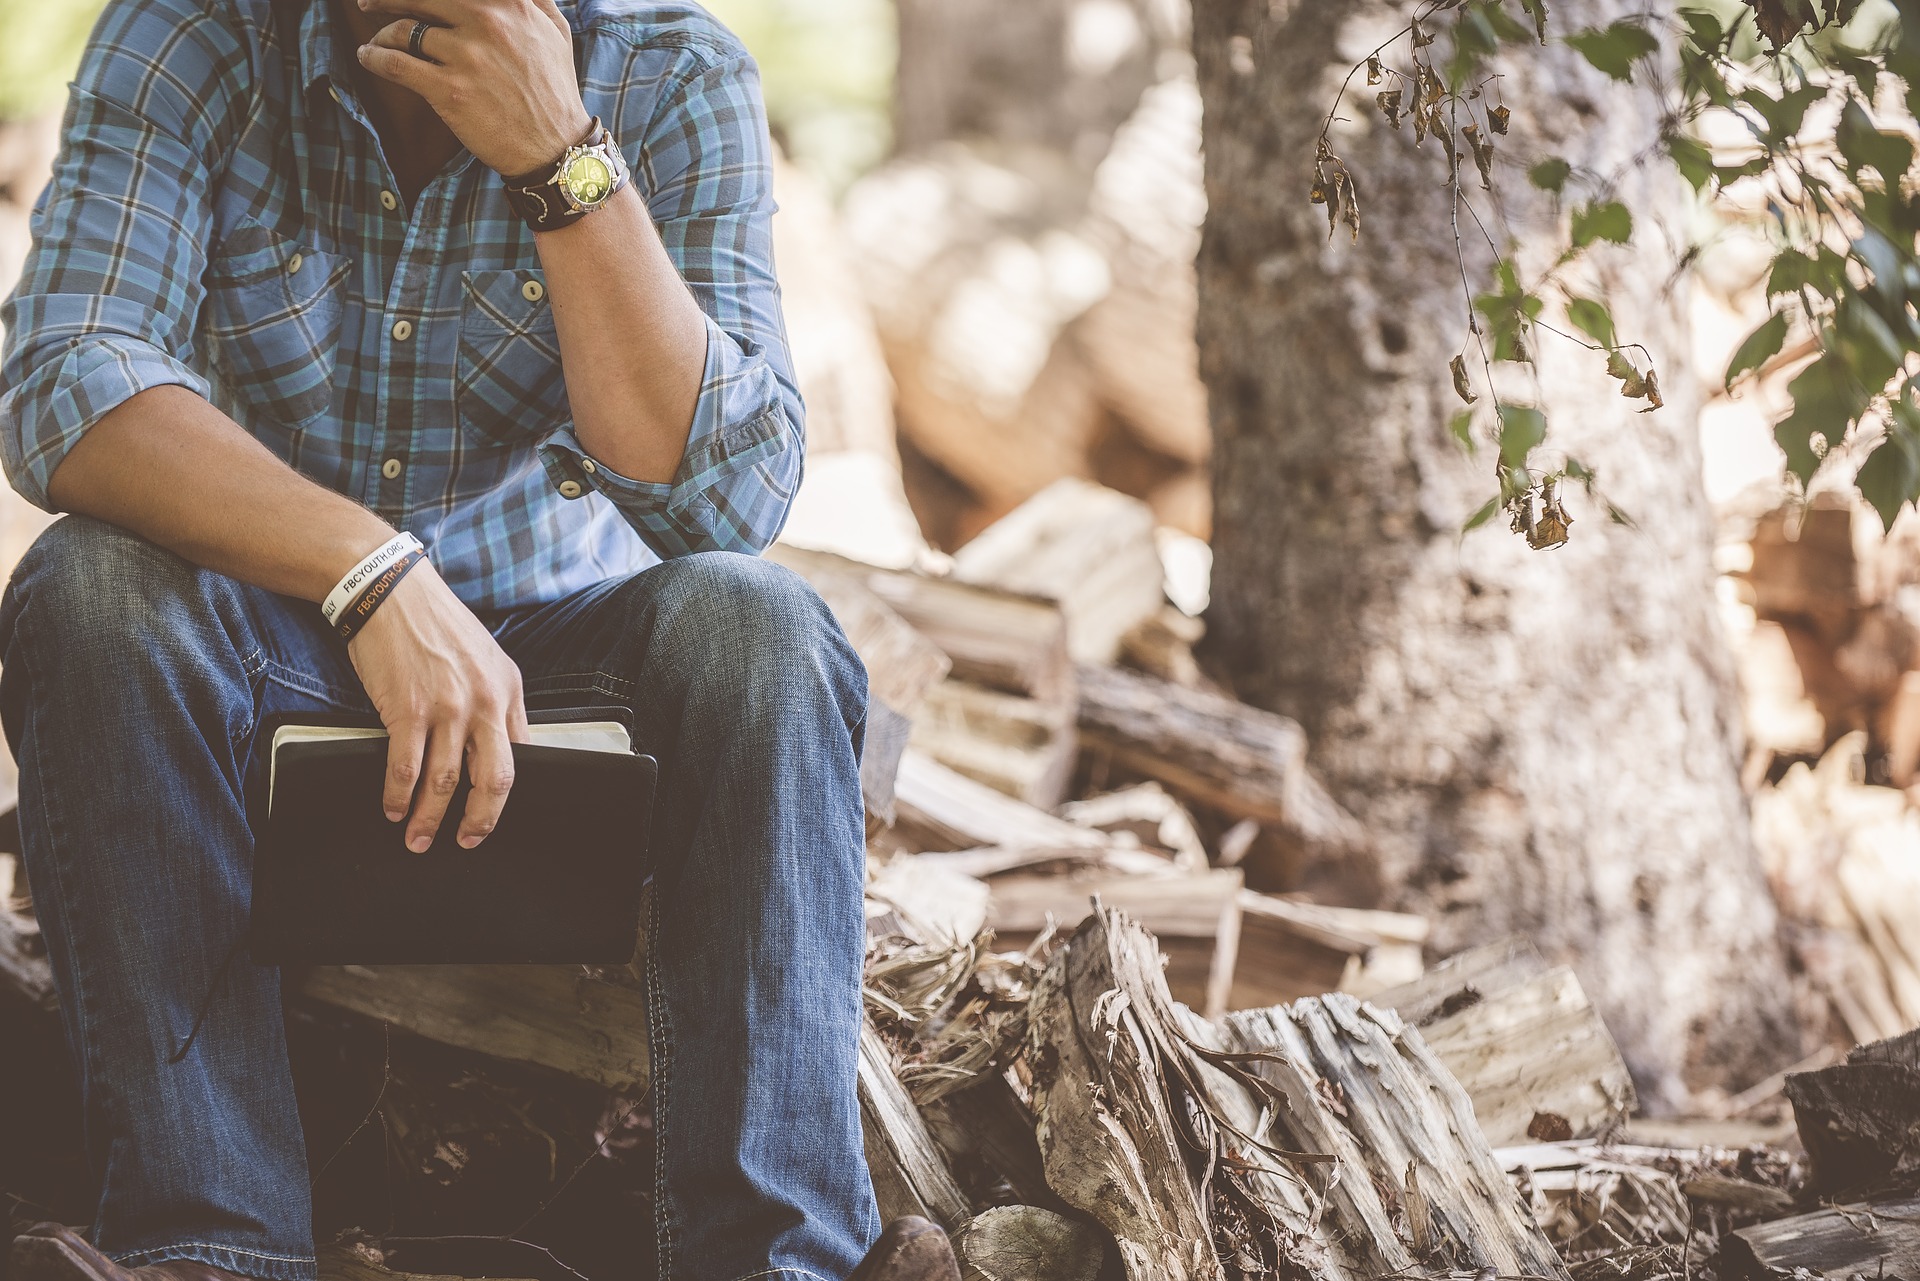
{"x":131,"y":686}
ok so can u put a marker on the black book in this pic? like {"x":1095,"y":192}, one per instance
{"x":557,"y":882}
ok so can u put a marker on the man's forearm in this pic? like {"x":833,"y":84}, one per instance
{"x":172,"y":468}
{"x":633,"y":341}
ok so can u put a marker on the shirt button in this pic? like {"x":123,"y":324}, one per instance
{"x":533,"y":291}
{"x":391,"y":468}
{"x":333,"y":93}
{"x":570,"y":489}
{"x":293,"y":265}
{"x":589,"y":466}
{"x":389,"y":201}
{"x":402,"y":330}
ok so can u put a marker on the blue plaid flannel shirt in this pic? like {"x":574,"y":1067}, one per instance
{"x":221,"y":217}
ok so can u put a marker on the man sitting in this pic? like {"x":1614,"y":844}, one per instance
{"x":483,"y":287}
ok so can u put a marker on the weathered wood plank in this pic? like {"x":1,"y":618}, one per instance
{"x":1086,"y":546}
{"x":567,"y":1018}
{"x":1237,"y":759}
{"x":910,"y":1175}
{"x":1003,"y":640}
{"x":1522,"y":1038}
{"x":1880,"y":1240}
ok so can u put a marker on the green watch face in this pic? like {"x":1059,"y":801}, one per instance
{"x":588,"y":179}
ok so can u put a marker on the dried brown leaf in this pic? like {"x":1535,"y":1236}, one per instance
{"x":1373,"y":69}
{"x":1389,"y":103}
{"x":1460,"y":384}
{"x":1497,"y":119}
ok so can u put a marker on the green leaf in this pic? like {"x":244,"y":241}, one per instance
{"x":1823,"y":271}
{"x":1603,"y":220}
{"x":1863,"y":339}
{"x":1890,"y":478}
{"x":1461,"y":425}
{"x":1760,"y":346}
{"x":1783,"y":114}
{"x":1521,"y":428}
{"x":1615,"y":49}
{"x":1691,"y":158}
{"x":1862,"y":71}
{"x":1550,"y":175}
{"x":1704,"y":28}
{"x":1482,"y":514}
{"x":1864,"y":146}
{"x":1591,"y":317}
{"x":1825,"y":403}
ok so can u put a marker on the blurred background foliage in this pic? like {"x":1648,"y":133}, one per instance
{"x":827,"y":65}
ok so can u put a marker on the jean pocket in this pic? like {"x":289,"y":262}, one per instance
{"x":508,"y":388}
{"x":273,"y":322}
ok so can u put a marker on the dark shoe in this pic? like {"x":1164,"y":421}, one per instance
{"x":52,"y":1252}
{"x":909,"y":1249}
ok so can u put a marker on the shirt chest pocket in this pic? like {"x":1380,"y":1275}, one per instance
{"x":508,"y":387}
{"x":273,"y":322}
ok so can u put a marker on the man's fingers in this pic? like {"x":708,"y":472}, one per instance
{"x":399,"y":35}
{"x":490,"y":766}
{"x":402,"y":68}
{"x":438,"y":779}
{"x":404,"y":748}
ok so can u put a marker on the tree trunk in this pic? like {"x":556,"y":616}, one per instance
{"x":1541,"y":744}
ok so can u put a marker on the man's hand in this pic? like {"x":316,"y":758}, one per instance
{"x":501,"y":75}
{"x":445,"y":691}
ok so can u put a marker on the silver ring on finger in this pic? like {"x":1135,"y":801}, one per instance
{"x":420,"y":29}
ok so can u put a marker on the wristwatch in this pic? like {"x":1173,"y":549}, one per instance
{"x":566,"y":191}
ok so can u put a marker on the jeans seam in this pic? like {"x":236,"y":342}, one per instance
{"x":214,"y":1245}
{"x":660,"y":1029}
{"x":618,"y":688}
{"x":302,"y":683}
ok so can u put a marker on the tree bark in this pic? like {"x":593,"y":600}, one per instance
{"x":1539,"y":744}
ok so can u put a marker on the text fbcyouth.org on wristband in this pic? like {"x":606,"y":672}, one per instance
{"x":364,"y":572}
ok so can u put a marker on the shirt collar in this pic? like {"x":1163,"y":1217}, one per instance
{"x":319,"y":38}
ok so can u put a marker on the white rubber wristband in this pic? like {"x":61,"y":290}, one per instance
{"x":347,"y":588}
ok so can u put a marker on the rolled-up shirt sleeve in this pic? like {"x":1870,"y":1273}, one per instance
{"x":708,"y":161}
{"x":106,"y":303}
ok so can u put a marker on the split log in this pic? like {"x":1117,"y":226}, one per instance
{"x":909,"y":1174}
{"x":1086,"y":546}
{"x":1148,"y":813}
{"x":1524,"y":1041}
{"x":931,"y":902}
{"x":1021,"y":746}
{"x":941,"y":809}
{"x":1291,"y":949}
{"x":1237,"y":759}
{"x":1195,"y":919}
{"x":1134,"y":1126}
{"x":1418,"y":1185}
{"x":568,"y":1018}
{"x":1028,"y":1243}
{"x":999,"y":639}
{"x":1860,"y":1120}
{"x":1877,"y":1240}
